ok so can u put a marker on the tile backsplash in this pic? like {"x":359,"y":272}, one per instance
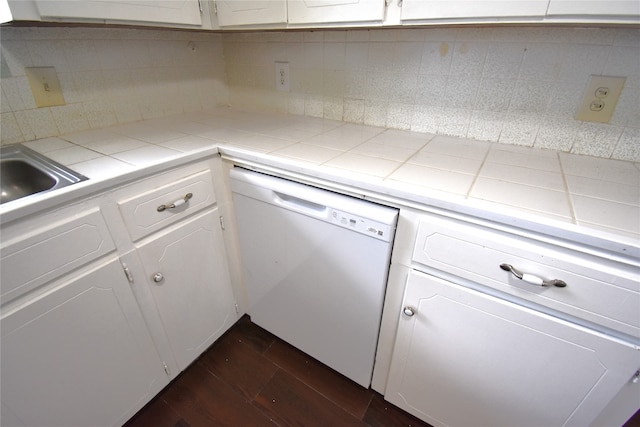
{"x":108,"y":76}
{"x":513,"y":85}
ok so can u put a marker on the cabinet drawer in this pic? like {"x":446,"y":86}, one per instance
{"x":36,"y":256}
{"x":141,"y":212}
{"x":598,"y":290}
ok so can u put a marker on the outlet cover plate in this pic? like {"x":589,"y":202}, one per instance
{"x":600,"y":98}
{"x":45,"y":86}
{"x":282,"y":76}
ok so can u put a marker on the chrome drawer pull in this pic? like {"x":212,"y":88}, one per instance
{"x":177,"y":203}
{"x":534,"y":280}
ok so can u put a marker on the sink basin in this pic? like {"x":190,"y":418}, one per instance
{"x":24,"y":172}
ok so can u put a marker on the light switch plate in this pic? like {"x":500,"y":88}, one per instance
{"x":45,"y":86}
{"x":600,"y":98}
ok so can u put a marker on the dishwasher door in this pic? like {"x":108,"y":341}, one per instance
{"x":315,"y":266}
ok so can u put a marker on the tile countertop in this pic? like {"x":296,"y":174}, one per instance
{"x":542,"y":190}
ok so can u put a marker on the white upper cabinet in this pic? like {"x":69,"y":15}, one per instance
{"x":455,"y":9}
{"x":334,"y":11}
{"x":595,"y":9}
{"x":250,"y":12}
{"x":177,"y":12}
{"x":255,"y":14}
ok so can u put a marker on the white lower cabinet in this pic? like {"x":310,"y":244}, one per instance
{"x":186,"y":271}
{"x":465,"y":358}
{"x":105,"y":301}
{"x":79,"y":355}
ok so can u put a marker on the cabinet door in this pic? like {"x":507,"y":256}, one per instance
{"x":466,"y":358}
{"x":192,"y":292}
{"x":167,"y":11}
{"x":79,"y":355}
{"x":251,"y":12}
{"x":328,"y":11}
{"x":595,"y":7}
{"x":451,"y":9}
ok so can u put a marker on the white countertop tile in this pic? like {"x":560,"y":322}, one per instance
{"x":102,"y":167}
{"x":263,"y":143}
{"x":535,"y":199}
{"x":71,"y":155}
{"x":334,"y":142}
{"x":458,"y":147}
{"x":437,"y":179}
{"x":522,"y":175}
{"x":402,"y":139}
{"x":147,"y":132}
{"x":525,"y":157}
{"x":225,"y":134}
{"x":607,"y":214}
{"x":116,"y":144}
{"x":600,"y":169}
{"x":48,"y":144}
{"x":288,"y":133}
{"x":446,"y":162}
{"x":367,"y":165}
{"x":583,"y":195}
{"x":384,"y":151}
{"x":145,"y":155}
{"x":619,"y":192}
{"x":187,"y":143}
{"x":309,"y":153}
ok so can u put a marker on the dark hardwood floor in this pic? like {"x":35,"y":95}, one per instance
{"x":249,"y":377}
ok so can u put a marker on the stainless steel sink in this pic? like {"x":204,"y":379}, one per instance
{"x":24,"y":172}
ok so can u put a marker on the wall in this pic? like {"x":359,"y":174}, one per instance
{"x":108,"y":76}
{"x":515,"y":85}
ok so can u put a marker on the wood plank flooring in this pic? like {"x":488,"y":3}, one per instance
{"x":249,"y":377}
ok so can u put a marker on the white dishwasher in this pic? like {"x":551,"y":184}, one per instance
{"x":315,"y":265}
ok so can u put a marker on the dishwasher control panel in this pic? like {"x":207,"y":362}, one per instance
{"x":359,"y":224}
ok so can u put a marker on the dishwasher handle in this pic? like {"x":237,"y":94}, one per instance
{"x":300,"y":205}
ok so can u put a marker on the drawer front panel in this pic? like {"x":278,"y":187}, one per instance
{"x":598,"y":290}
{"x":141,"y":214}
{"x":47,"y":253}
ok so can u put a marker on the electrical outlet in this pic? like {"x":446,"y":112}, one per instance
{"x":600,"y":98}
{"x":282,"y":76}
{"x":45,"y":86}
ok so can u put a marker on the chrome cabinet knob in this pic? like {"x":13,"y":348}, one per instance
{"x":409,"y":311}
{"x":158,"y":277}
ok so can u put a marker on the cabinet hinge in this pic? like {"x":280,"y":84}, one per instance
{"x":215,"y":7}
{"x":127,"y":272}
{"x":222,"y":222}
{"x":166,"y":369}
{"x":200,"y":6}
{"x":237,"y":309}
